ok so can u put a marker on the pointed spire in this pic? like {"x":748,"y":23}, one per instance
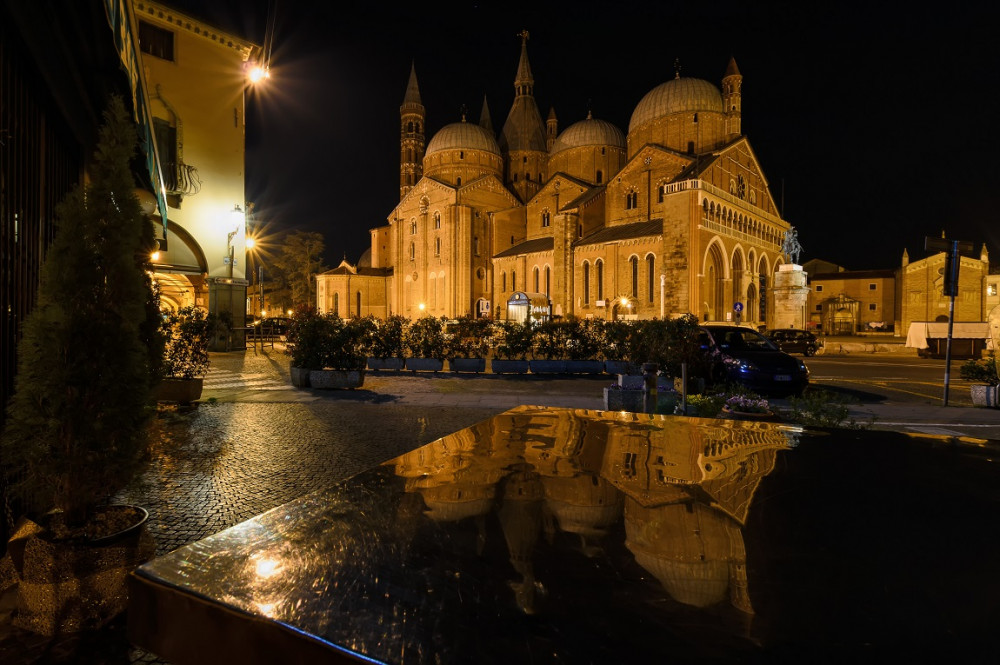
{"x":524,"y":80}
{"x":677,"y":68}
{"x":732,"y":69}
{"x":484,"y":117}
{"x":412,"y":90}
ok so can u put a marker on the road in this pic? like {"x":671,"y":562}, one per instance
{"x":888,"y":377}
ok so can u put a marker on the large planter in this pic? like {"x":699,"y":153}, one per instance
{"x":424,"y":364}
{"x":71,"y":585}
{"x":300,"y":376}
{"x":182,"y":391}
{"x":619,"y":399}
{"x":468,"y":365}
{"x":632,"y":381}
{"x":389,"y":364}
{"x":332,"y":379}
{"x":548,"y":366}
{"x":584,"y":366}
{"x":984,"y":395}
{"x":498,"y":366}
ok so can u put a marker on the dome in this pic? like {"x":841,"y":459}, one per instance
{"x":676,"y":96}
{"x":589,"y":132}
{"x":462,"y":136}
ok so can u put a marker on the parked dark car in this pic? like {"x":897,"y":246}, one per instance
{"x":269,"y":328}
{"x":745,"y":357}
{"x":791,"y":340}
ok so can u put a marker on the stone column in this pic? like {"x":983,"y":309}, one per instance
{"x":790,"y":294}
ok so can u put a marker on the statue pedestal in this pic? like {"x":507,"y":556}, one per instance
{"x":790,"y":295}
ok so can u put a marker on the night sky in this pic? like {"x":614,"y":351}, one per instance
{"x":875,"y":126}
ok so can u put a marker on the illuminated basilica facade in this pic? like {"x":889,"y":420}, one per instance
{"x":674,"y":216}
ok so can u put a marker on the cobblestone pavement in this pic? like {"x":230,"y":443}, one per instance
{"x":254,"y":442}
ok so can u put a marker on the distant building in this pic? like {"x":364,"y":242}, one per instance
{"x":849,"y":301}
{"x":673,"y":216}
{"x":921,"y":284}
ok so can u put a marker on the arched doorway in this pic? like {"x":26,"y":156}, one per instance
{"x":713,"y":284}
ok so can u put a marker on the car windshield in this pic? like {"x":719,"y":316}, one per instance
{"x":744,"y":340}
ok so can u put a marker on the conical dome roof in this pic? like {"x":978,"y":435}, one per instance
{"x":589,"y":132}
{"x":462,"y":136}
{"x":676,"y":96}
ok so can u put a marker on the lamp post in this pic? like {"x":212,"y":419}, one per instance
{"x":236,"y":219}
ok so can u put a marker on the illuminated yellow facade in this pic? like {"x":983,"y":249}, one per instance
{"x":673,"y":216}
{"x":195,"y":77}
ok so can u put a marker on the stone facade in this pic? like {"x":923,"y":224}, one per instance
{"x":850,"y":301}
{"x":920,"y":286}
{"x":673,"y":216}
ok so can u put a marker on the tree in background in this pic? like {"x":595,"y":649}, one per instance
{"x":298,"y":260}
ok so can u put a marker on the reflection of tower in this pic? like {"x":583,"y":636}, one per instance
{"x":520,"y":516}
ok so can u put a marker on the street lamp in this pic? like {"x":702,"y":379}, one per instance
{"x":236,"y":219}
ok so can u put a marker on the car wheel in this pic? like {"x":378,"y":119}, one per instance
{"x":810,"y":351}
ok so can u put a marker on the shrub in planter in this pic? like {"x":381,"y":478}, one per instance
{"x":670,"y":343}
{"x":426,"y":343}
{"x":616,"y":343}
{"x":511,"y":346}
{"x":388,"y":343}
{"x":469,"y":344}
{"x":343,"y":354}
{"x":983,"y":373}
{"x":188,"y":332}
{"x":77,"y":425}
{"x":307,"y":334}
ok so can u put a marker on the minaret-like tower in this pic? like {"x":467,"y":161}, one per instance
{"x":484,"y":117}
{"x":522,"y":140}
{"x":732,"y":98}
{"x":411,"y":136}
{"x":551,"y":128}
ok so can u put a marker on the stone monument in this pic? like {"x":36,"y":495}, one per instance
{"x":790,"y":291}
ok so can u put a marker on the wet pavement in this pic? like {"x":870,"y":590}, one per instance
{"x":254,"y":442}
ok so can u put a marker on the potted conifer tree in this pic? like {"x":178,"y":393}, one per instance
{"x":387,"y":345}
{"x":77,"y":425}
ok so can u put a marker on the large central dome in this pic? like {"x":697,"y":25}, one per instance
{"x":676,"y":96}
{"x":463,"y":136}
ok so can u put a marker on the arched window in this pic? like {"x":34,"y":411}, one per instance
{"x":437,"y":246}
{"x":503,"y":281}
{"x":600,"y":279}
{"x":458,"y":182}
{"x":534,"y":278}
{"x":634,"y":264}
{"x":651,"y":267}
{"x":545,"y":218}
{"x":437,"y":220}
{"x":413,"y":227}
{"x":548,"y":279}
{"x":513,"y":280}
{"x":600,"y":176}
{"x":357,"y":309}
{"x":660,"y":191}
{"x":586,"y":283}
{"x":632,"y":200}
{"x":409,"y":127}
{"x":413,"y":251}
{"x":336,"y":304}
{"x":475,"y":245}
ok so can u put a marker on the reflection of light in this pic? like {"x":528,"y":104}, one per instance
{"x":250,"y":243}
{"x":155,"y":256}
{"x":266,"y":608}
{"x":266,"y":568}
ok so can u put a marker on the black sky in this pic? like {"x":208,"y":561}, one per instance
{"x":875,"y":125}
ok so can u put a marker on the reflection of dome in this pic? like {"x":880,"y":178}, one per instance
{"x":589,"y":132}
{"x":452,"y":511}
{"x":462,"y":136}
{"x":585,"y":520}
{"x":676,"y":96}
{"x":697,"y":583}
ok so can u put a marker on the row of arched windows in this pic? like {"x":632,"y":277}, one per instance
{"x":740,"y":222}
{"x":336,"y":304}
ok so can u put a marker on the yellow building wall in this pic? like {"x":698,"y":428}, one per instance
{"x":921,"y":285}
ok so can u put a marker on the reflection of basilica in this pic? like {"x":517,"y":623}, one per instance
{"x":682,"y":487}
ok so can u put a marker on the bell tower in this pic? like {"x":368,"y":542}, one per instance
{"x":411,"y":136}
{"x":732,"y":99}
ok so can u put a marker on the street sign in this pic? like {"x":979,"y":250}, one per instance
{"x":738,"y":307}
{"x":952,"y":262}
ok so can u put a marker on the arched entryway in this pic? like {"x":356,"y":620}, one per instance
{"x":713,"y":284}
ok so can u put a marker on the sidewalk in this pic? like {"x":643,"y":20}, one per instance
{"x":254,"y":442}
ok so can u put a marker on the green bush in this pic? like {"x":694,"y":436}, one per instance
{"x":471,"y":337}
{"x":76,"y":429}
{"x":390,"y":338}
{"x":514,"y":341}
{"x":822,"y":408}
{"x":981,"y":370}
{"x":425,"y":338}
{"x":343,"y":343}
{"x":306,"y":337}
{"x":188,"y":333}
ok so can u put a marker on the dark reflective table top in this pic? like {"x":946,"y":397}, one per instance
{"x":573,"y":536}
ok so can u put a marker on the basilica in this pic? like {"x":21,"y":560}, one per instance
{"x":673,"y":216}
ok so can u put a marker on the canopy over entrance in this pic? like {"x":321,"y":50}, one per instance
{"x":522,"y":307}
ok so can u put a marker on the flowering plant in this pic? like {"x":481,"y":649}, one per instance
{"x":748,"y":404}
